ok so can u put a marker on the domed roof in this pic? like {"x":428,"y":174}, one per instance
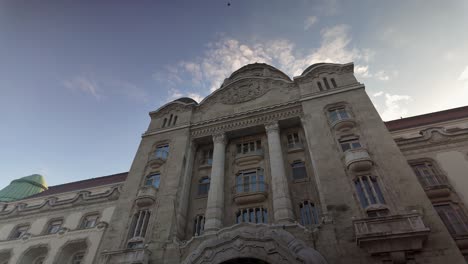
{"x":186,"y":100}
{"x":313,"y":66}
{"x":23,"y":187}
{"x":258,"y":70}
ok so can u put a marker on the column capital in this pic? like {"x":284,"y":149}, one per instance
{"x":272,"y":127}
{"x":219,"y":137}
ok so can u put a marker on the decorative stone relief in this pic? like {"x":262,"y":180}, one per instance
{"x":243,"y":91}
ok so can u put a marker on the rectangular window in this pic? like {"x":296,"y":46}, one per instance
{"x":54,"y":226}
{"x":427,"y":174}
{"x":453,"y":218}
{"x":252,"y":215}
{"x":203,"y":186}
{"x":19,"y":231}
{"x":198,"y":225}
{"x":326,"y":83}
{"x":320,"y":86}
{"x":153,"y":180}
{"x":247,"y":147}
{"x":293,"y":140}
{"x":299,"y":170}
{"x":162,"y":152}
{"x":350,"y":144}
{"x":308,"y":213}
{"x":338,"y":114}
{"x":207,"y":157}
{"x":250,"y":181}
{"x":139,"y":224}
{"x":333,"y":83}
{"x":90,"y":221}
{"x":368,"y":191}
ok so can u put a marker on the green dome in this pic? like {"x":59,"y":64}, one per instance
{"x":23,"y":187}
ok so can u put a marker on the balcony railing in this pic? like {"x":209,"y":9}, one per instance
{"x":295,"y":146}
{"x":341,"y":123}
{"x":394,"y":233}
{"x":250,"y":192}
{"x":146,"y":196}
{"x":249,"y":158}
{"x":158,"y":158}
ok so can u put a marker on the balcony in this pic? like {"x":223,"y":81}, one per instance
{"x":139,"y":255}
{"x":158,"y":158}
{"x":253,"y":192}
{"x":396,"y":233}
{"x":295,"y":147}
{"x":358,"y":159}
{"x":146,"y":196}
{"x":249,"y":158}
{"x":341,"y":124}
{"x":436,"y":191}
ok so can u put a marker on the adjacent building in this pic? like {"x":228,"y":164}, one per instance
{"x":266,"y":169}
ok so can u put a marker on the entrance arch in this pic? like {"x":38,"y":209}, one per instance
{"x":251,"y":242}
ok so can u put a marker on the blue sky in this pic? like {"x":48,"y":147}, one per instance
{"x":78,"y":78}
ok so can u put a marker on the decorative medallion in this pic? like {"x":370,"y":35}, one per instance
{"x":242,"y":92}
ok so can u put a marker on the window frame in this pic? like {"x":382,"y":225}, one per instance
{"x":198,"y":225}
{"x":293,"y":140}
{"x":207,"y":157}
{"x":259,"y":216}
{"x":294,"y":169}
{"x":313,"y":213}
{"x":257,"y":185}
{"x":369,"y":191}
{"x":137,"y":229}
{"x":161,"y":151}
{"x":352,"y":143}
{"x":435,"y":177}
{"x":249,"y":146}
{"x":85,"y":216}
{"x":48,"y":227}
{"x":12,"y":235}
{"x":152,"y":177}
{"x":338,"y":113}
{"x":72,"y":259}
{"x":459,"y":214}
{"x":205,"y":185}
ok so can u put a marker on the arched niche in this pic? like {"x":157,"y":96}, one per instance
{"x":251,"y":242}
{"x":70,"y":250}
{"x":33,"y":253}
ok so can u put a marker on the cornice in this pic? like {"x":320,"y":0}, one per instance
{"x":81,"y":197}
{"x":435,"y":137}
{"x":341,"y":89}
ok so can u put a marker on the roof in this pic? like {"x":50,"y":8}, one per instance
{"x":23,"y":187}
{"x":84,"y":184}
{"x":186,"y":100}
{"x":427,"y":119}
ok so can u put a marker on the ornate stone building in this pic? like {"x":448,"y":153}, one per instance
{"x":266,"y":169}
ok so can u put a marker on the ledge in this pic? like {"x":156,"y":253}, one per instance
{"x":396,"y":233}
{"x":250,"y":197}
{"x":358,"y":159}
{"x":437,"y":191}
{"x":249,"y":158}
{"x":127,"y":256}
{"x":155,"y":162}
{"x":343,"y":124}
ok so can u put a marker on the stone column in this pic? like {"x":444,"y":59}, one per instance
{"x":283,"y":212}
{"x":215,"y":204}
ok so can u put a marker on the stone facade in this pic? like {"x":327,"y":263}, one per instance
{"x":266,"y":169}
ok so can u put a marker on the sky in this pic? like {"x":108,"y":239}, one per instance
{"x":78,"y":78}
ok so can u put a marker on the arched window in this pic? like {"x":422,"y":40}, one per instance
{"x":453,"y":217}
{"x":175,"y":120}
{"x":298,"y":170}
{"x":89,"y":221}
{"x":203,"y":186}
{"x":368,"y":190}
{"x":39,"y":260}
{"x":54,"y":226}
{"x":153,"y":180}
{"x":252,"y":215}
{"x":164,"y":122}
{"x":138,"y":228}
{"x":19,"y":231}
{"x":309,"y":214}
{"x":338,"y":113}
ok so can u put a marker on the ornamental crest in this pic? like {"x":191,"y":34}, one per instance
{"x":243,"y":92}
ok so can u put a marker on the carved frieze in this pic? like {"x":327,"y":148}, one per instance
{"x":243,"y":91}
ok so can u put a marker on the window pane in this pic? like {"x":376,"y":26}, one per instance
{"x":369,"y":192}
{"x":345,"y":146}
{"x":377,"y":190}
{"x":299,"y":171}
{"x":333,"y":116}
{"x":361,"y":195}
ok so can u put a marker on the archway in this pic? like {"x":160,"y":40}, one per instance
{"x":71,"y":251}
{"x":251,"y":244}
{"x":245,"y":261}
{"x":34,"y":255}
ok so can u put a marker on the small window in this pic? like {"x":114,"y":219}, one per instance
{"x":19,"y":231}
{"x":333,"y":83}
{"x":320,"y":86}
{"x":175,"y":120}
{"x":338,"y":114}
{"x":170,"y":120}
{"x":90,"y":221}
{"x":78,"y":258}
{"x":198,"y":225}
{"x":164,"y":122}
{"x":203,"y":186}
{"x":250,"y":181}
{"x":308,"y":212}
{"x":350,"y":144}
{"x":207,"y":157}
{"x":162,"y":152}
{"x":326,"y":83}
{"x":293,"y":140}
{"x":250,"y":146}
{"x":368,"y":191}
{"x":252,"y":215}
{"x":54,"y":226}
{"x":299,"y":170}
{"x":153,"y":180}
{"x":453,"y":217}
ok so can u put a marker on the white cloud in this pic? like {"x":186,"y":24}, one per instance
{"x":309,"y":21}
{"x":395,"y":106}
{"x":382,"y":75}
{"x":464,"y":75}
{"x":378,"y":94}
{"x":206,"y":73}
{"x":84,"y":85}
{"x":362,"y":71}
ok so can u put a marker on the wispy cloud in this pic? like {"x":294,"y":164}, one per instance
{"x":206,"y":73}
{"x":84,"y":85}
{"x":309,"y":21}
{"x":382,"y":75}
{"x":362,"y":71}
{"x":377,"y":94}
{"x":395,"y":106}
